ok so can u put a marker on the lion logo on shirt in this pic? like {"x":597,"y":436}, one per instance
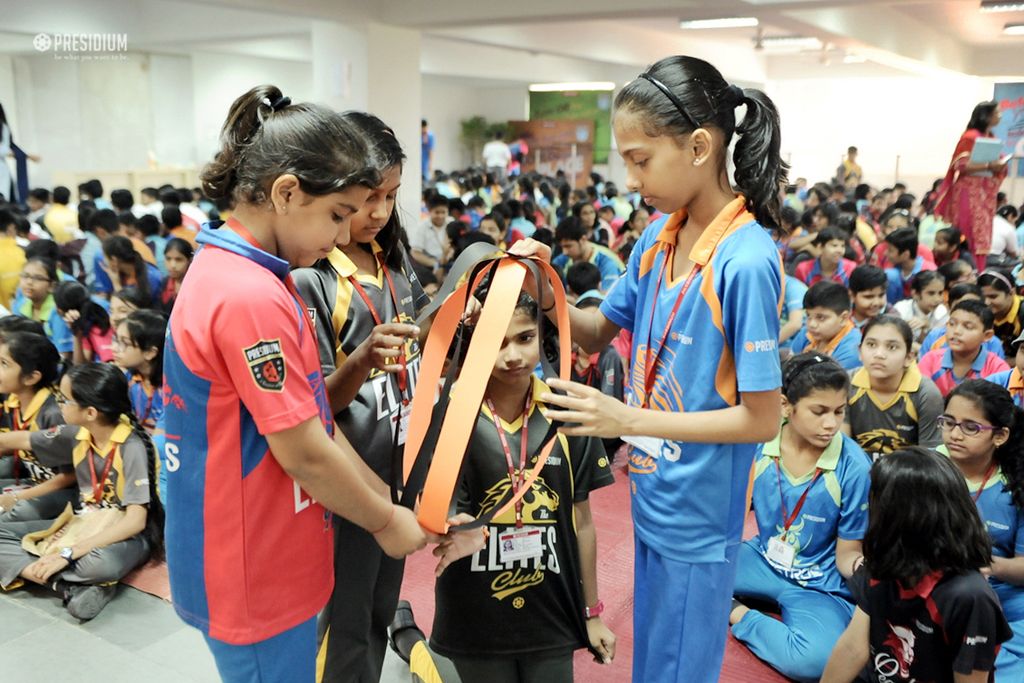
{"x":539,"y":503}
{"x":882,"y":441}
{"x":900,"y":655}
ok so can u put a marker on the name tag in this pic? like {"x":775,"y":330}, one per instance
{"x":781,"y":553}
{"x":519,"y":544}
{"x":651,"y":445}
{"x":403,"y":422}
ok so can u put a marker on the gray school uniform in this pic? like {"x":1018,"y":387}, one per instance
{"x":353,"y":626}
{"x":126,"y":484}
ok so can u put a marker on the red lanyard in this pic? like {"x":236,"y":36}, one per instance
{"x":517,"y":482}
{"x":988,"y":475}
{"x":19,"y":426}
{"x":788,"y":519}
{"x":403,"y":375}
{"x":587,"y":375}
{"x":149,"y":404}
{"x":651,"y":360}
{"x":97,"y":486}
{"x":244,"y":233}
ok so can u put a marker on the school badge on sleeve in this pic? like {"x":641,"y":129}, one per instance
{"x":266,"y":363}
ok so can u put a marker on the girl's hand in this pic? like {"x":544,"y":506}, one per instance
{"x":594,"y":413}
{"x":459,"y":544}
{"x":472,"y":313}
{"x":402,"y":535}
{"x":71,"y":317}
{"x":42,"y":569}
{"x":385,"y":345}
{"x":601,"y":639}
{"x":7,"y":501}
{"x":531,"y":247}
{"x":916,"y":324}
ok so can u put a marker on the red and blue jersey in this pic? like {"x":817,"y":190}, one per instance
{"x":689,"y":498}
{"x":1013,"y":381}
{"x":249,"y":553}
{"x":809,"y":272}
{"x":938,"y":365}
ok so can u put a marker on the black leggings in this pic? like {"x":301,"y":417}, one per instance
{"x":522,"y":669}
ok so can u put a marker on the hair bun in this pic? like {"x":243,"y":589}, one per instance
{"x":737,"y":95}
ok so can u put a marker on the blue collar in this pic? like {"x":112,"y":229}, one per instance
{"x":977,"y":366}
{"x":229,"y":240}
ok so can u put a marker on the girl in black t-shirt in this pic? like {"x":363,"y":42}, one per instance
{"x":924,"y":610}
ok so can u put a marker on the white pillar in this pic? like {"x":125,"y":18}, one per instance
{"x":375,"y":68}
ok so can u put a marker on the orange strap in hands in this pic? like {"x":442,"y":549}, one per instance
{"x":438,"y":437}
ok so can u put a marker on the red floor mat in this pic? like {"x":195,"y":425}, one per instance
{"x":610,"y":507}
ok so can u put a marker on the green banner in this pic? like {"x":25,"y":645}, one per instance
{"x":594,"y":105}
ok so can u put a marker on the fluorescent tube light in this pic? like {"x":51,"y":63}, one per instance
{"x":1013,"y":30}
{"x":725,"y":22}
{"x":992,"y":6}
{"x":559,"y":87}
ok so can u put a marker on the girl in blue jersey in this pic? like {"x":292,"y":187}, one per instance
{"x":701,"y":296}
{"x":983,"y":434}
{"x":810,"y":498}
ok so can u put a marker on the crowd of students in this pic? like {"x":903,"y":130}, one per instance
{"x":895,"y":367}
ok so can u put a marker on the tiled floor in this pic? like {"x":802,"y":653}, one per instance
{"x":136,"y":638}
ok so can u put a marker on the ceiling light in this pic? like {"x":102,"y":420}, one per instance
{"x":1001,"y":6}
{"x":561,"y":87}
{"x":1013,"y":30}
{"x":854,"y":59}
{"x":793,"y":42}
{"x":726,"y":22}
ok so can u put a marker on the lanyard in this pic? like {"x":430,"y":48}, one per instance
{"x":651,"y":360}
{"x":788,"y":519}
{"x":149,"y":403}
{"x":97,"y":486}
{"x":517,"y":482}
{"x":403,"y":374}
{"x":988,"y":475}
{"x":590,"y":371}
{"x":244,"y":233}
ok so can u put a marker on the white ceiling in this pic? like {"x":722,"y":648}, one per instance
{"x":895,"y":35}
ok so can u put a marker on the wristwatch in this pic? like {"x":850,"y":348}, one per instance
{"x":595,"y":611}
{"x":68,"y":554}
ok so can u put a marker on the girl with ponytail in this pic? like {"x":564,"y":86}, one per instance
{"x":701,"y":295}
{"x":114,"y":463}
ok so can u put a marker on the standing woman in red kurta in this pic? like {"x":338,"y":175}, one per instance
{"x":968,"y":194}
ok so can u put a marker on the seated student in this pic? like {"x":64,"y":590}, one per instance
{"x":148,"y":227}
{"x":936,"y":339}
{"x":997,"y":288}
{"x":171,"y":218}
{"x":12,"y":258}
{"x":950,"y":245}
{"x":577,"y":248}
{"x":604,"y":370}
{"x":494,"y":629}
{"x":125,"y":266}
{"x":1013,"y":380}
{"x":29,"y":368}
{"x":829,"y":329}
{"x":924,"y":310}
{"x":970,"y":324}
{"x":89,"y":323}
{"x":867,"y":287}
{"x":956,"y":272}
{"x":924,"y":610}
{"x":123,"y":303}
{"x":892,"y":405}
{"x":38,"y":279}
{"x":582,"y":278}
{"x":791,"y":316}
{"x":493,"y":225}
{"x":476,"y":208}
{"x":902,"y":254}
{"x":830,"y":264}
{"x":115,"y":467}
{"x":984,"y":437}
{"x":809,"y":532}
{"x":178,"y":255}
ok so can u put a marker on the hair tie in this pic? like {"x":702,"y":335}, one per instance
{"x":671,"y":96}
{"x":280,"y":103}
{"x":738,"y":96}
{"x":816,"y":359}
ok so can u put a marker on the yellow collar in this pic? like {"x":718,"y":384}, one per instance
{"x":117,"y":438}
{"x":1011,"y":315}
{"x":344,"y":265}
{"x":33,"y":407}
{"x":538,"y":388}
{"x":910,"y":383}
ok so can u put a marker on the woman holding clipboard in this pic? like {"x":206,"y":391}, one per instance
{"x":967,"y":198}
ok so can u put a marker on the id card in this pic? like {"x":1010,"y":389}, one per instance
{"x":519,"y":544}
{"x":403,"y":422}
{"x":781,"y":553}
{"x":651,"y":445}
{"x":15,"y":488}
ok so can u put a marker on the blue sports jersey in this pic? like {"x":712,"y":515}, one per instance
{"x":1013,"y":381}
{"x":792,"y":301}
{"x":836,"y":507}
{"x":1005,"y":527}
{"x":846,"y":352}
{"x":936,"y":339}
{"x":689,"y":498}
{"x":898,"y":287}
{"x":607,"y":262}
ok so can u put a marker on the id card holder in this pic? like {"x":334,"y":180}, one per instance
{"x":403,"y":421}
{"x":651,"y":445}
{"x":781,"y":553}
{"x":520,"y":544}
